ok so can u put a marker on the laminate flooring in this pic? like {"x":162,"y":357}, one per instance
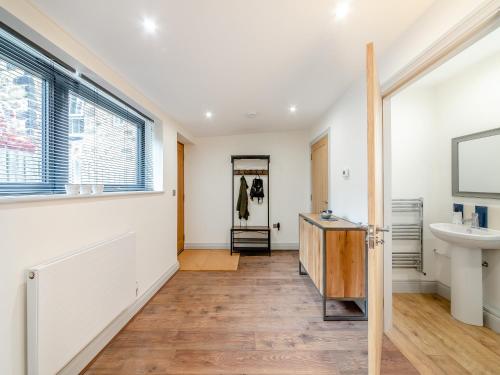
{"x":262,"y":319}
{"x":436,"y":343}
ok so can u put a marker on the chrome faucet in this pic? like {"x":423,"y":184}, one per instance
{"x":473,"y":221}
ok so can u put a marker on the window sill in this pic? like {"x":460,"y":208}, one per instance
{"x":56,"y":197}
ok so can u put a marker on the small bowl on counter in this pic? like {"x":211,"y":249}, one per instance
{"x":326,"y":215}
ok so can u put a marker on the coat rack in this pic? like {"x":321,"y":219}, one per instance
{"x":250,"y":172}
{"x":254,"y":237}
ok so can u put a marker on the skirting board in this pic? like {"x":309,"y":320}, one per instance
{"x":413,"y":286}
{"x":206,"y":246}
{"x":215,"y":246}
{"x":82,"y":359}
{"x":491,"y":319}
{"x":443,"y":290}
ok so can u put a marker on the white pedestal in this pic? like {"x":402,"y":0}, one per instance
{"x":467,"y":285}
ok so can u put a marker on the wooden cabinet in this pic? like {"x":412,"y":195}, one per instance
{"x":334,"y":256}
{"x":346,"y":260}
{"x":311,"y":252}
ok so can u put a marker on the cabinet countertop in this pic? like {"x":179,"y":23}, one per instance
{"x":339,"y":224}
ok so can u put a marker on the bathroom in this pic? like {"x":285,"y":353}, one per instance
{"x":455,"y":104}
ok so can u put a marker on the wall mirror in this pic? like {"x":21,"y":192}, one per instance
{"x":476,"y":165}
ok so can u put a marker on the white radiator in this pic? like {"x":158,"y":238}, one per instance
{"x":73,"y":298}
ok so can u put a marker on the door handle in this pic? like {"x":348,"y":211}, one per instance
{"x":372,"y":237}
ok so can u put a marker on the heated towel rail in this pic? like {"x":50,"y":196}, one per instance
{"x":408,"y":226}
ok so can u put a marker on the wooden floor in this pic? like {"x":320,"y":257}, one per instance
{"x":393,"y":362}
{"x":435,"y":343}
{"x":262,"y":319}
{"x":208,"y":260}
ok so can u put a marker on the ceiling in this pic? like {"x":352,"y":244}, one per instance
{"x":232,"y":57}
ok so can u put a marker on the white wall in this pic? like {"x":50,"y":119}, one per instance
{"x":34,"y":232}
{"x":208,"y":186}
{"x":414,"y":168}
{"x":469,"y":104}
{"x":347,"y":116}
{"x":347,"y":125}
{"x":423,"y":121}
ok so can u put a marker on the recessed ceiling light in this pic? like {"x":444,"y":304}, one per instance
{"x":149,"y":25}
{"x":293,"y":109}
{"x":251,"y":114}
{"x":209,"y":114}
{"x":342,"y":9}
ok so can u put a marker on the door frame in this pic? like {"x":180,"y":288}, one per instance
{"x":484,"y":20}
{"x":180,"y":196}
{"x":328,"y":134}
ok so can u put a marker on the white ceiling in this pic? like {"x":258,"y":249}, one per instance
{"x":236,"y":56}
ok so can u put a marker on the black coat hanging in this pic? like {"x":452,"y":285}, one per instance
{"x":242,"y":205}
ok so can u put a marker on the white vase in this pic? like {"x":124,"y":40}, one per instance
{"x":85,"y":189}
{"x":72,"y":189}
{"x":97,"y":189}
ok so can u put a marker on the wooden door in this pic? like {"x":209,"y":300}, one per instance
{"x":180,"y":197}
{"x":319,"y":173}
{"x":375,"y":215}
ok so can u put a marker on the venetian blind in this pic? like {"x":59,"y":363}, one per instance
{"x":56,"y":129}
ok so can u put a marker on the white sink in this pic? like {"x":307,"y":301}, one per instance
{"x":466,"y":267}
{"x":465,"y":236}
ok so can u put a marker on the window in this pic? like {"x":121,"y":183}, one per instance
{"x":106,"y":148}
{"x":21,"y":125}
{"x":57,"y":129}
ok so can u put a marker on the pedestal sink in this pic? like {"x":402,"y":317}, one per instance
{"x":466,"y":267}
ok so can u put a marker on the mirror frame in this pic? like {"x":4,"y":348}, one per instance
{"x":454,"y":165}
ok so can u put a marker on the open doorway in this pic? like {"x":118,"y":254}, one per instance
{"x":442,"y":146}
